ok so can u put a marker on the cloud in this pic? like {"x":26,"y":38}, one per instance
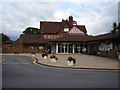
{"x":18,"y":16}
{"x":119,"y":12}
{"x":96,"y":16}
{"x":73,"y":1}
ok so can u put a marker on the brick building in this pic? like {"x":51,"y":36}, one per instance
{"x":6,"y":46}
{"x":67,"y":37}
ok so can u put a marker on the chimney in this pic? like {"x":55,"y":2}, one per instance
{"x":63,"y":20}
{"x":71,"y":20}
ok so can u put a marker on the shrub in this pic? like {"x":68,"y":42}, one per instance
{"x":44,"y":55}
{"x":53,"y":57}
{"x":33,"y":53}
{"x":72,"y":59}
{"x":56,"y":58}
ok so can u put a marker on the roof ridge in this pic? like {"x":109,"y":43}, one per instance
{"x":102,"y":34}
{"x":50,"y":22}
{"x":79,"y":25}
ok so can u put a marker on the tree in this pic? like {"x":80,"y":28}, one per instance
{"x":4,"y":37}
{"x":31,"y":30}
{"x":118,"y":28}
{"x":114,"y":27}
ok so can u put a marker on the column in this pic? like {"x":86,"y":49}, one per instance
{"x":64,"y":48}
{"x":67,"y":48}
{"x":56,"y":47}
{"x":73,"y":48}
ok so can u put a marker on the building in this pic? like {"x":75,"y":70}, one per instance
{"x":6,"y":46}
{"x":67,"y":37}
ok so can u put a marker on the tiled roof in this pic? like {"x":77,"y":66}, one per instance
{"x":72,"y":38}
{"x":49,"y":27}
{"x":55,"y":27}
{"x":35,"y":38}
{"x":30,"y":39}
{"x":82,"y":28}
{"x":105,"y":37}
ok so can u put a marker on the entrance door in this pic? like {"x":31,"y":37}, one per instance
{"x":65,"y":48}
{"x":70,"y":48}
{"x":78,"y":48}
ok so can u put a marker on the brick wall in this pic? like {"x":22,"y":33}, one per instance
{"x":6,"y":48}
{"x":111,"y":54}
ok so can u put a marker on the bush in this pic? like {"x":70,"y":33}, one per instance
{"x":16,"y":52}
{"x":53,"y":57}
{"x":44,"y":55}
{"x":33,"y":53}
{"x":72,"y":59}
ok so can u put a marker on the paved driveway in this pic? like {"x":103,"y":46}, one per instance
{"x":20,"y":72}
{"x":83,"y":61}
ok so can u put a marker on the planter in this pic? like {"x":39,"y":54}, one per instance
{"x":33,"y":55}
{"x":70,"y":63}
{"x":53,"y":60}
{"x":45,"y":57}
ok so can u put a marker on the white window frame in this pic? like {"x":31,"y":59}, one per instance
{"x":31,"y":47}
{"x":66,"y":29}
{"x":41,"y":47}
{"x":49,"y":36}
{"x":45,"y":36}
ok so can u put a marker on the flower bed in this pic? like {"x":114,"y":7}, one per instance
{"x":71,"y":61}
{"x":53,"y":58}
{"x":44,"y":56}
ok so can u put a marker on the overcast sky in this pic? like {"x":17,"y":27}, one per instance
{"x":97,"y":16}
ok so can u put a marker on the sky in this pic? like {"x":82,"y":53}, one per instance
{"x":97,"y":15}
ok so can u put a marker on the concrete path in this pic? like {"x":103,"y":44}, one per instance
{"x":82,"y":61}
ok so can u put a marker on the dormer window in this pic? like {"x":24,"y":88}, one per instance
{"x":66,"y":29}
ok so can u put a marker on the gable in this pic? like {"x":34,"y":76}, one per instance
{"x":75,"y":30}
{"x":64,"y":25}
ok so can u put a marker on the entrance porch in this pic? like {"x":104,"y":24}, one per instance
{"x":67,"y":47}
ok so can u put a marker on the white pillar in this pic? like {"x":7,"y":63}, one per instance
{"x":67,"y":48}
{"x":64,"y":46}
{"x":73,"y":48}
{"x":56,"y":47}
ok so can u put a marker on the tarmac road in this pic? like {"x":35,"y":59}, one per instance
{"x":20,"y":72}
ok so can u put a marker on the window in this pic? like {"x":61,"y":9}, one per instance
{"x":31,"y":47}
{"x":57,"y":36}
{"x":45,"y":36}
{"x":40,"y":47}
{"x":48,"y":36}
{"x":66,"y":29}
{"x":51,"y":36}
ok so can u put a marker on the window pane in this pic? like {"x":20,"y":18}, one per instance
{"x":40,"y":47}
{"x":31,"y":47}
{"x":48,"y":36}
{"x":66,"y":29}
{"x":45,"y":36}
